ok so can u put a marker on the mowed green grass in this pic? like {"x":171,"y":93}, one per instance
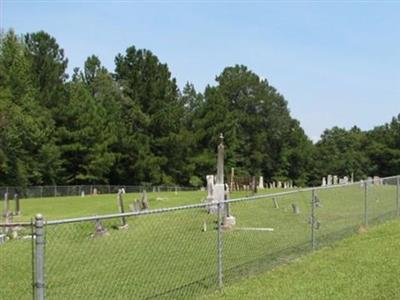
{"x":168,"y":255}
{"x":364,"y":266}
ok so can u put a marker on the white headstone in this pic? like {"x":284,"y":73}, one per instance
{"x":323,"y":181}
{"x":261,"y":183}
{"x":210,"y":188}
{"x":329,"y":180}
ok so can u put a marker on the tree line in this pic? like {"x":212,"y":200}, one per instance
{"x":135,"y":126}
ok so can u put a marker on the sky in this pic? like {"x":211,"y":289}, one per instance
{"x":336,"y":63}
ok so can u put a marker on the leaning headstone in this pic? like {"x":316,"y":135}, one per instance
{"x":296,"y":208}
{"x":276,"y":205}
{"x":144,"y":201}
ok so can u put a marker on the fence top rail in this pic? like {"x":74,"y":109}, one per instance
{"x":19,"y":224}
{"x":192,"y":206}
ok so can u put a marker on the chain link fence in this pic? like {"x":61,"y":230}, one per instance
{"x":182,"y":252}
{"x":79,"y":190}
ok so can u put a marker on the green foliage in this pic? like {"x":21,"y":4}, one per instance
{"x":135,"y":125}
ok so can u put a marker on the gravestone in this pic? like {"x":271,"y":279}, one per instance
{"x":137,"y":205}
{"x":377,"y":180}
{"x":210,"y":188}
{"x":100,"y":230}
{"x":329,"y":180}
{"x":276,"y":205}
{"x":95,"y":191}
{"x":83,"y":194}
{"x":219,"y":188}
{"x":144,"y":201}
{"x":279,"y":185}
{"x":296,"y":208}
{"x":345,"y":180}
{"x":3,"y":238}
{"x":261,"y":183}
{"x":335,"y":179}
{"x":323,"y":181}
{"x":229,"y":221}
{"x":204,"y":226}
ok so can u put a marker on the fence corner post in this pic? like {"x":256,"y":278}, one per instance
{"x":219,"y":246}
{"x":39,"y":257}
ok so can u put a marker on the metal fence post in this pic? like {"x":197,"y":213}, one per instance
{"x":397,"y":196}
{"x":219,"y":247}
{"x":366,"y":203}
{"x":312,"y":221}
{"x":39,"y":257}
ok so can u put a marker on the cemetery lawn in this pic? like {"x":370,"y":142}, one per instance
{"x":365,"y":266}
{"x":55,"y":208}
{"x":170,"y":256}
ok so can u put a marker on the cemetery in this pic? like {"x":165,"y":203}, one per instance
{"x":133,"y":245}
{"x":199,"y":150}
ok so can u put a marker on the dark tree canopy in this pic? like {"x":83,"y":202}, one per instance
{"x":135,"y":126}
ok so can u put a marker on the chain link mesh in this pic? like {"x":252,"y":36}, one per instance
{"x":173,"y":253}
{"x":158,"y":256}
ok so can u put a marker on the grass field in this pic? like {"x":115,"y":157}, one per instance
{"x":360,"y":267}
{"x":168,"y":255}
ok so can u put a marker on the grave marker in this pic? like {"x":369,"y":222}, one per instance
{"x":296,"y":208}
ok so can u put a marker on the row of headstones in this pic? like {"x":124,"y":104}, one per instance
{"x":296,"y":210}
{"x":333,"y":180}
{"x":140,"y":204}
{"x":274,"y":184}
{"x":376,"y":180}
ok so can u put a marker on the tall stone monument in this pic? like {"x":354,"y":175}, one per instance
{"x":219,"y":188}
